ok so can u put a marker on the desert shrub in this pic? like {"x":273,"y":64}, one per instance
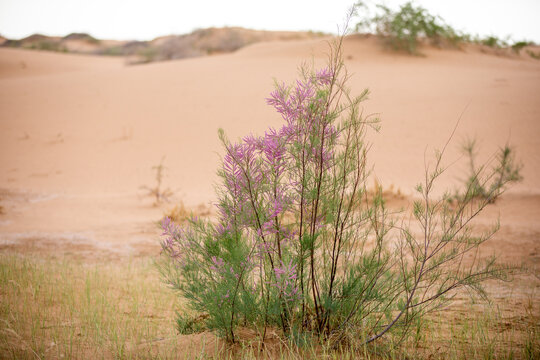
{"x":299,"y":246}
{"x":506,"y":170}
{"x":519,"y":45}
{"x":159,"y":193}
{"x":493,"y":41}
{"x":403,"y":29}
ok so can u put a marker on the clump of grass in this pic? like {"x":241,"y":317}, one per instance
{"x":178,"y":214}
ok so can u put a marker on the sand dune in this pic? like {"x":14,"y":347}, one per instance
{"x":80,"y":134}
{"x":16,"y":63}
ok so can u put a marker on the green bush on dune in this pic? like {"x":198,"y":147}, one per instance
{"x":403,"y":28}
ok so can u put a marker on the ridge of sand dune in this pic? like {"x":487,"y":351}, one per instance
{"x":15,"y":63}
{"x":86,"y":127}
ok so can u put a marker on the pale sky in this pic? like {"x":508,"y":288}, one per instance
{"x":147,"y":19}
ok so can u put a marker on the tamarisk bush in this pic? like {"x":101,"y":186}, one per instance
{"x":298,"y":244}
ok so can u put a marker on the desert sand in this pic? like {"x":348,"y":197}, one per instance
{"x":79,"y":136}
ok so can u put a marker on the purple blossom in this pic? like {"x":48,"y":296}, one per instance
{"x":286,"y":280}
{"x":324,"y":76}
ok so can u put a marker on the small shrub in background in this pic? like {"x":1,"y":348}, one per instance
{"x":158,"y":192}
{"x":403,"y":29}
{"x":298,"y":245}
{"x":493,"y":41}
{"x":519,"y":45}
{"x":488,"y":188}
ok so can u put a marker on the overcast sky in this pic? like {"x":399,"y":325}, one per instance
{"x":147,"y":19}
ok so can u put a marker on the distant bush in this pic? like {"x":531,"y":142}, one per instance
{"x":298,"y":244}
{"x":159,"y":193}
{"x":519,"y":45}
{"x":403,"y":29}
{"x":493,"y":41}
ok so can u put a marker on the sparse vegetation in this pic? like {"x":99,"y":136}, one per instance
{"x":519,"y":45}
{"x":488,"y":188}
{"x":303,"y":260}
{"x":47,"y":46}
{"x":66,"y":309}
{"x":159,"y":193}
{"x":82,"y":37}
{"x":147,"y":55}
{"x":63,"y":308}
{"x":493,"y":41}
{"x":534,"y":55}
{"x":113,"y":51}
{"x":178,"y":214}
{"x":403,"y":29}
{"x":411,"y":25}
{"x":200,"y":42}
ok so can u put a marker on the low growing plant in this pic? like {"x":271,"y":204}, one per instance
{"x":298,"y":244}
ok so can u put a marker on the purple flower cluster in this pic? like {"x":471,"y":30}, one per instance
{"x":304,"y":109}
{"x":286,"y":280}
{"x":260,"y":183}
{"x":260,"y":192}
{"x":171,"y":233}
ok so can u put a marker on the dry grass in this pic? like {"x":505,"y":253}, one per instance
{"x":54,"y":309}
{"x":67,"y":309}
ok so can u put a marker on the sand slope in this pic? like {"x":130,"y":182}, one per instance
{"x":79,"y":135}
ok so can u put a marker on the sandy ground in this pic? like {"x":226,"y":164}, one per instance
{"x":79,"y":137}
